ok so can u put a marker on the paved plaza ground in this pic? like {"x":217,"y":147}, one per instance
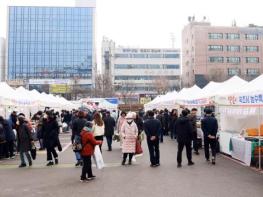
{"x":226,"y":179}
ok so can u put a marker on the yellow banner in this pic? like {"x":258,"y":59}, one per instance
{"x":144,"y":100}
{"x":59,"y":88}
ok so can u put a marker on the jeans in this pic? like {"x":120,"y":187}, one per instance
{"x":100,"y":138}
{"x":212,"y":143}
{"x":154,"y":151}
{"x":86,"y":168}
{"x":22,"y":157}
{"x":78,"y":156}
{"x":50,"y":152}
{"x":109,"y":142}
{"x":188,"y":151}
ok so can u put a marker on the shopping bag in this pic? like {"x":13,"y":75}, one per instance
{"x":98,"y":158}
{"x":116,"y":137}
{"x":138,"y":150}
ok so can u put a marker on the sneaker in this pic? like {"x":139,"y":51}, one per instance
{"x":179,"y":165}
{"x":83,"y":180}
{"x":130,"y":163}
{"x":91,"y":177}
{"x":123,"y":163}
{"x":153,"y":165}
{"x":190,"y":163}
{"x":56,"y":161}
{"x":22,"y":165}
{"x":157,"y":164}
{"x":77,"y":164}
{"x":51,"y":163}
{"x":213,"y":161}
{"x":13,"y":157}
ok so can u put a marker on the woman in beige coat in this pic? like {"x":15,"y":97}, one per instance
{"x":129,"y":134}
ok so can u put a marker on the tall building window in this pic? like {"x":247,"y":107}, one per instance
{"x":215,"y":47}
{"x":251,"y":36}
{"x":233,"y":71}
{"x":215,"y":35}
{"x":235,"y":60}
{"x":252,"y":60}
{"x":232,"y":36}
{"x":234,"y":48}
{"x":216,"y":59}
{"x":251,"y":48}
{"x":252,"y":72}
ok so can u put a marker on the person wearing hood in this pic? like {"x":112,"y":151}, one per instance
{"x":88,"y":144}
{"x":129,"y":134}
{"x":184,"y":133}
{"x":24,"y":141}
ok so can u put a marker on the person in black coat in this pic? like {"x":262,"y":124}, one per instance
{"x":209,"y":126}
{"x":109,"y":123}
{"x":166,"y":121}
{"x":77,"y":126}
{"x":50,"y":132}
{"x":152,"y":128}
{"x":9,"y":137}
{"x":24,"y":141}
{"x":173,"y":119}
{"x":184,"y":132}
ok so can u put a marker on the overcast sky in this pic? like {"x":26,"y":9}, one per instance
{"x":149,"y":23}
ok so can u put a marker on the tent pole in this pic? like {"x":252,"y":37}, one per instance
{"x":259,"y":138}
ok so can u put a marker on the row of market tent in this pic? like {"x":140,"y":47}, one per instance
{"x":29,"y":102}
{"x":238,"y":106}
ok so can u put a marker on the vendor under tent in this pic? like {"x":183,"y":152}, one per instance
{"x":242,"y":113}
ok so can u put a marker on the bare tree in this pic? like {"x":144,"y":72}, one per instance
{"x":103,"y":86}
{"x":216,"y":75}
{"x":161,"y":85}
{"x":125,"y":90}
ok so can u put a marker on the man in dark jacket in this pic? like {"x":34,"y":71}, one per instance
{"x":109,"y":123}
{"x":166,"y":121}
{"x":192,"y":117}
{"x":77,"y":126}
{"x":184,"y":132}
{"x":9,"y":137}
{"x":160,"y":117}
{"x":24,"y":141}
{"x":209,"y":126}
{"x":152,"y":128}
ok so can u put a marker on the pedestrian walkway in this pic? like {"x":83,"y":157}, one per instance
{"x":227,"y":178}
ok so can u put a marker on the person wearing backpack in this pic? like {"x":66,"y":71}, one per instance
{"x":77,"y":126}
{"x":24,"y":141}
{"x":88,"y":144}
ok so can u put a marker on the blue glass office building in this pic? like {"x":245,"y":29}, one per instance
{"x":50,"y":42}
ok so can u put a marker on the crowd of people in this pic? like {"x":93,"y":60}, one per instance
{"x":18,"y":134}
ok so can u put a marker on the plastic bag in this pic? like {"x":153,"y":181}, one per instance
{"x":98,"y":158}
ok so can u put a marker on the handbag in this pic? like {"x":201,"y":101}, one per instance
{"x":97,"y":156}
{"x":116,"y":137}
{"x":33,"y":151}
{"x":138,"y":149}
